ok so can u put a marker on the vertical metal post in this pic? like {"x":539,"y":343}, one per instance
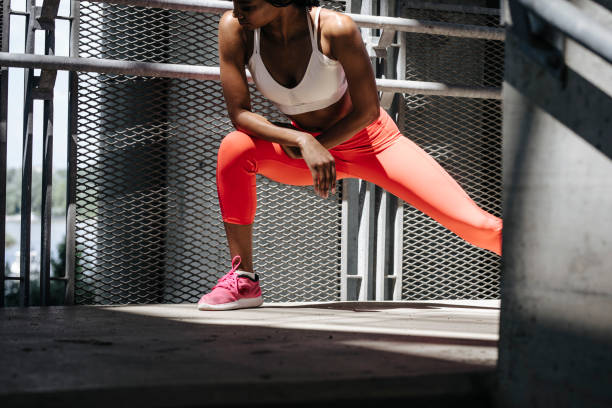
{"x":398,"y":207}
{"x":398,"y":249}
{"x":366,"y":8}
{"x":352,"y":6}
{"x":354,"y":262}
{"x":384,"y":229}
{"x":349,"y":230}
{"x":3,"y":140}
{"x":367,"y":211}
{"x":47,"y":83}
{"x":47,"y":184}
{"x":72,"y":159}
{"x":381,"y":244}
{"x":26,"y":169}
{"x":365,"y":240}
{"x":45,"y":230}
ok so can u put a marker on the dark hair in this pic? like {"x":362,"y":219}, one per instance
{"x":297,"y":3}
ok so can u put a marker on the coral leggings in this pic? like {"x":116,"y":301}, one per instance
{"x":379,"y":154}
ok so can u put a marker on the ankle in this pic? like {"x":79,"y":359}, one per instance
{"x":250,"y":274}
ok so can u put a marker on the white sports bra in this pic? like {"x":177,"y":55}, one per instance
{"x":323,"y":84}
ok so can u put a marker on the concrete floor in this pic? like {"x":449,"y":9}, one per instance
{"x":316,"y":354}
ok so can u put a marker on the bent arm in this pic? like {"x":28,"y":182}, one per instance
{"x":347,"y":47}
{"x":232,"y":58}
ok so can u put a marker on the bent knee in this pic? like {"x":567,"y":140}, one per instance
{"x":236,"y":142}
{"x":235,"y":147}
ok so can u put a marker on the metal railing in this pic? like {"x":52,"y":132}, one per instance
{"x":573,"y":22}
{"x":365,"y":21}
{"x":202,"y":73}
{"x":50,"y":64}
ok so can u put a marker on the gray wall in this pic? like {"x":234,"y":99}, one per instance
{"x":556,"y":322}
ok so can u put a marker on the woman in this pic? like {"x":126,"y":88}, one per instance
{"x":312,"y":64}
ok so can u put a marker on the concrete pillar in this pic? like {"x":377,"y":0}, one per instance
{"x":556,"y":323}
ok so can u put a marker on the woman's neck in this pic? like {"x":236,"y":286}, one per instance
{"x":290,"y":23}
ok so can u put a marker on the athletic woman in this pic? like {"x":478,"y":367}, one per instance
{"x":312,"y":64}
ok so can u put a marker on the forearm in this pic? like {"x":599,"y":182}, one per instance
{"x":258,"y":126}
{"x":345,"y":128}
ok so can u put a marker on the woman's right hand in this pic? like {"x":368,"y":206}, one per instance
{"x":321,"y":164}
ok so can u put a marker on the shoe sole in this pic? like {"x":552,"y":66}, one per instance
{"x":239,"y":304}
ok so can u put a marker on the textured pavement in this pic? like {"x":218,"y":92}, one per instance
{"x":317,"y":354}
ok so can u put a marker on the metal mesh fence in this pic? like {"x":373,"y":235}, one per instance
{"x":148,"y":226}
{"x":2,"y":5}
{"x":464,"y":136}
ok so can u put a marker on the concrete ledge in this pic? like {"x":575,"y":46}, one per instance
{"x":429,"y":353}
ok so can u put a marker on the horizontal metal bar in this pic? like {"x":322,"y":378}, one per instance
{"x":436,"y":88}
{"x":429,"y":27}
{"x":156,"y":69}
{"x":452,"y":8}
{"x":107,"y":66}
{"x":53,"y":278}
{"x":23,"y":13}
{"x":200,"y":6}
{"x":574,"y":23}
{"x":393,"y":23}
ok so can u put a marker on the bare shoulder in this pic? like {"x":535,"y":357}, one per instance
{"x":233,"y":38}
{"x":229,"y":25}
{"x":334,"y":24}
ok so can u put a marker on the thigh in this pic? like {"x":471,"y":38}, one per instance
{"x":407,"y":171}
{"x":273,"y":163}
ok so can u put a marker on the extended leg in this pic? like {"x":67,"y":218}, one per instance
{"x":407,"y":171}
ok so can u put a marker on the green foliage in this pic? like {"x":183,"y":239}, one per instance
{"x":56,"y":293}
{"x":57,"y":289}
{"x":9,"y":240}
{"x":58,"y":191}
{"x":13,"y":191}
{"x":58,"y":265}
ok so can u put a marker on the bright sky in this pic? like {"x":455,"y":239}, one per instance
{"x":16,"y":93}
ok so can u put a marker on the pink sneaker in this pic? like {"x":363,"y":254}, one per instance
{"x":235,"y":290}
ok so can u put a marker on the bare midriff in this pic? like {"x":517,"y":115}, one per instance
{"x":322,"y":119}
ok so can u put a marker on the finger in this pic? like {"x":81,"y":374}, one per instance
{"x":315,"y":181}
{"x":333,"y":178}
{"x":325,"y":181}
{"x":321,"y":183}
{"x":328,"y":179}
{"x":321,"y":178}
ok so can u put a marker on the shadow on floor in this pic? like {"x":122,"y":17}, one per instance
{"x":378,"y":306}
{"x":94,"y":356}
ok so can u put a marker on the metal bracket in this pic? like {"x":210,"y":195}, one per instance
{"x":539,"y":40}
{"x":43,"y":85}
{"x":386,"y":99}
{"x":385,"y":41}
{"x":44,"y":17}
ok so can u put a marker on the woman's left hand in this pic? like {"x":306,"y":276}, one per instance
{"x":322,"y":166}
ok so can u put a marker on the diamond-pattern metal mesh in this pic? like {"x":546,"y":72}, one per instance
{"x":2,"y":20}
{"x":454,"y":60}
{"x":464,"y":136}
{"x":148,"y":225}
